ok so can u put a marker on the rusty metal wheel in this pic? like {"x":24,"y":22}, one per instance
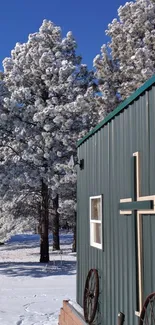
{"x":91,"y":293}
{"x":147,"y":315}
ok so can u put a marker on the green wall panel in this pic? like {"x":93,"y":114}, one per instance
{"x":108,"y":170}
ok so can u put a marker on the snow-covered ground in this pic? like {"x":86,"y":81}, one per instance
{"x":31,"y":293}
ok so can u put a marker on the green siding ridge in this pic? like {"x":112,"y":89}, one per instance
{"x":119,"y":108}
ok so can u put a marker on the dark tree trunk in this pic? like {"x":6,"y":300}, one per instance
{"x":74,"y":236}
{"x":44,"y":242}
{"x":55,"y":226}
{"x":39,"y":219}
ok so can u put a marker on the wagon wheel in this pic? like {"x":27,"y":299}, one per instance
{"x":147,"y":315}
{"x":91,"y":293}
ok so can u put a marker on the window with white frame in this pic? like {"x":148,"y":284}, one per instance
{"x":95,"y":211}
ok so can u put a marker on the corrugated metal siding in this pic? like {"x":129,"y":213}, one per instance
{"x":107,"y":170}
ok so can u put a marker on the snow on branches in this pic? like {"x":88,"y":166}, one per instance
{"x":49,"y":106}
{"x":128,"y":59}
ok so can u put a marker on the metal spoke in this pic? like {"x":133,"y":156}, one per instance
{"x":91,"y":293}
{"x":147,"y":316}
{"x":152,"y":313}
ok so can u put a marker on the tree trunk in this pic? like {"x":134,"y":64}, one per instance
{"x":44,"y":242}
{"x":74,"y":236}
{"x":39,"y":219}
{"x":55,"y":226}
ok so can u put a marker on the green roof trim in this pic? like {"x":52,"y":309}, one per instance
{"x":118,"y":109}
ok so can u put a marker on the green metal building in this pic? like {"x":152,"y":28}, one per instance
{"x":116,"y":207}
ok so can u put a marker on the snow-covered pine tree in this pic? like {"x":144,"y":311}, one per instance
{"x":18,"y":197}
{"x":128,"y":59}
{"x":18,"y":213}
{"x":67,"y":195}
{"x":49,"y":107}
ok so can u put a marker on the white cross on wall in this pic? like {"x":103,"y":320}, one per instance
{"x":142,"y":205}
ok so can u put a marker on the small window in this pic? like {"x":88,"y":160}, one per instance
{"x":96,"y":221}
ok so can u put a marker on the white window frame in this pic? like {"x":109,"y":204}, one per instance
{"x":94,"y":221}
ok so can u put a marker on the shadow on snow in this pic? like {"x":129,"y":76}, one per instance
{"x":38,"y":270}
{"x":33,"y":241}
{"x":57,"y":266}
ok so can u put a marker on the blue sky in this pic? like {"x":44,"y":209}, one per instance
{"x":87,"y":19}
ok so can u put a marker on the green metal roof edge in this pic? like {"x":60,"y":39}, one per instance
{"x":118,"y":109}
